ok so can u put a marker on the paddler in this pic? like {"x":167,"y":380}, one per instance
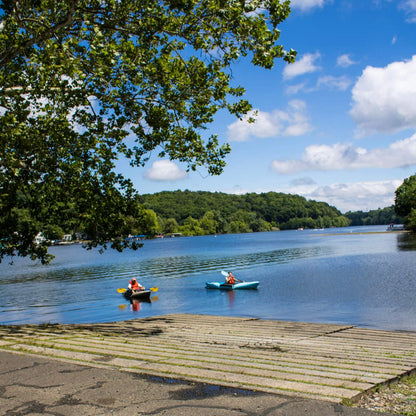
{"x":135,"y":286}
{"x":230,"y":279}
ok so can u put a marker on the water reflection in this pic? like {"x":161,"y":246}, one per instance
{"x":231,"y":298}
{"x":166,"y":267}
{"x":406,"y":241}
{"x":135,"y":304}
{"x":182,"y":266}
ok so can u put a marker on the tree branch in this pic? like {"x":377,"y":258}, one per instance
{"x":10,"y":54}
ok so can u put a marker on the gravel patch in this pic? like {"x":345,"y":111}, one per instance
{"x":397,"y":398}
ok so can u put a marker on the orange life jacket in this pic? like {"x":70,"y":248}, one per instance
{"x":231,"y":280}
{"x":135,"y":285}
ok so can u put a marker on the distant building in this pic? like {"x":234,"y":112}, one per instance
{"x":39,"y":239}
{"x":131,"y":238}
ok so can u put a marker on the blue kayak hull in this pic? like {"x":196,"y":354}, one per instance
{"x":224,"y":286}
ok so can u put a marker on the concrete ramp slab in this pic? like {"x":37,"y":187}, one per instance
{"x":319,"y":361}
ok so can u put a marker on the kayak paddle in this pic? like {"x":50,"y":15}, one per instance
{"x":122,"y":290}
{"x":226,"y":274}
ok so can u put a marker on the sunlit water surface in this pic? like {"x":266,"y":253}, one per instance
{"x":355,"y":275}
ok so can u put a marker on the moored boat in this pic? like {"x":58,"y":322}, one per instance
{"x":226,"y":286}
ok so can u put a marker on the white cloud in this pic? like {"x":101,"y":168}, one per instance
{"x":304,"y":65}
{"x":353,"y":196}
{"x":294,"y":89}
{"x":337,"y":83}
{"x":328,"y":81}
{"x":345,"y":156}
{"x":165,"y":170}
{"x":293,"y":122}
{"x":345,"y":61}
{"x":409,"y":7}
{"x":384,"y":98}
{"x":306,"y":4}
{"x":303,"y":181}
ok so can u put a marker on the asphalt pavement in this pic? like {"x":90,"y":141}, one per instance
{"x":33,"y":385}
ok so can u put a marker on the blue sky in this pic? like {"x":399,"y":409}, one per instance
{"x":337,"y":126}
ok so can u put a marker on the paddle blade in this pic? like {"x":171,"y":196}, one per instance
{"x":121,"y":290}
{"x":224,"y":273}
{"x":154,"y":289}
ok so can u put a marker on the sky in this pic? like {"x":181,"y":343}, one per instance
{"x":337,"y":126}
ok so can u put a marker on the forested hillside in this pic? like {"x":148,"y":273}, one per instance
{"x":381,"y":216}
{"x":196,"y":213}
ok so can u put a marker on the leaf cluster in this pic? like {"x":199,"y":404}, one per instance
{"x":405,"y":202}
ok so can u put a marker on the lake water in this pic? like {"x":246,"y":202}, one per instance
{"x":344,"y":275}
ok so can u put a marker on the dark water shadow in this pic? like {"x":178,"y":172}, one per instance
{"x":193,"y":390}
{"x":406,"y":241}
{"x":151,"y":327}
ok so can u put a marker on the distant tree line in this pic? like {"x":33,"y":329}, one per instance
{"x":200,"y":213}
{"x":402,"y":212}
{"x":380,"y":216}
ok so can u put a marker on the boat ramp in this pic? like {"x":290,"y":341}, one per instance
{"x":336,"y":363}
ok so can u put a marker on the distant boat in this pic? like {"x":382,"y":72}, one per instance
{"x":395,"y":227}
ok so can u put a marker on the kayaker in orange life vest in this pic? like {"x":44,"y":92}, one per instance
{"x":135,"y":286}
{"x":230,"y":280}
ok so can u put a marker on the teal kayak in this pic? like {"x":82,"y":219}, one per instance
{"x":225,"y":286}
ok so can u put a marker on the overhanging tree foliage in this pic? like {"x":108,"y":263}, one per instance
{"x":83,"y":82}
{"x":405,"y":202}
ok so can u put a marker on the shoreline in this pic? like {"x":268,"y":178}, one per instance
{"x":366,"y":232}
